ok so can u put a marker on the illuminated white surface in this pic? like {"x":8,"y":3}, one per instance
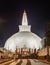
{"x":24,"y":19}
{"x":23,"y":38}
{"x":29,"y":39}
{"x":24,"y":26}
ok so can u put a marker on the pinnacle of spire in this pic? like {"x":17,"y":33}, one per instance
{"x":24,"y":19}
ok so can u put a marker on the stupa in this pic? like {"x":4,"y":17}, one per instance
{"x":23,"y":38}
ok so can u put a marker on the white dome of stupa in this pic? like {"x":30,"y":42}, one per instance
{"x":23,"y":38}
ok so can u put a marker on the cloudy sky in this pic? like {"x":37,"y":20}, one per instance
{"x":11,"y":16}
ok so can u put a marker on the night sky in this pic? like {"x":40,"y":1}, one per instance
{"x":11,"y":16}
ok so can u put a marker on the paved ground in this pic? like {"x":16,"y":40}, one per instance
{"x":22,"y":62}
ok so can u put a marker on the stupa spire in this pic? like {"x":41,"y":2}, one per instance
{"x":24,"y":19}
{"x":24,"y":26}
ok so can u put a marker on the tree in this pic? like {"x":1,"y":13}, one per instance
{"x":48,"y":40}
